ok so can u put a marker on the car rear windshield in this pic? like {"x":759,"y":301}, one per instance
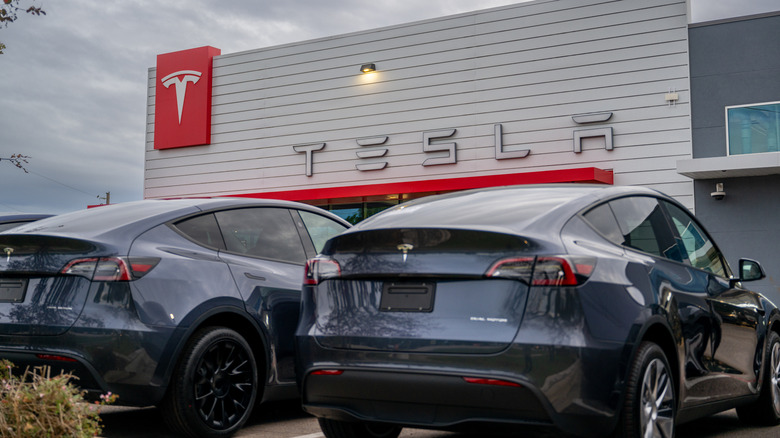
{"x":496,"y":209}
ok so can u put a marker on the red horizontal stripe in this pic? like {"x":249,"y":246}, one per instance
{"x":580,"y":175}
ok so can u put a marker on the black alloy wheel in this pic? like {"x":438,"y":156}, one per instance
{"x":215,"y":386}
{"x":360,"y":429}
{"x":650,"y":406}
{"x":766,"y":410}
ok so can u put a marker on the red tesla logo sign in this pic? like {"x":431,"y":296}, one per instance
{"x":182,"y":102}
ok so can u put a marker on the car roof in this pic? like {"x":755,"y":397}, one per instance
{"x":521,"y":209}
{"x":129,"y":219}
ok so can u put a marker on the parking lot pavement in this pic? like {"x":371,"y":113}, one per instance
{"x":120,"y":422}
{"x":287,"y":420}
{"x":280,"y":420}
{"x":272,"y":420}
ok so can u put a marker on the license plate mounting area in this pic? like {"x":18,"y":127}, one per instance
{"x":12,"y":290}
{"x":407,"y":297}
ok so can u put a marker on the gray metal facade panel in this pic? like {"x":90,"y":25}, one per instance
{"x":732,"y":63}
{"x":529,"y":67}
{"x":743,"y":224}
{"x":736,"y":62}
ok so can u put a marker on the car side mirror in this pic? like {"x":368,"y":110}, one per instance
{"x":749,"y":270}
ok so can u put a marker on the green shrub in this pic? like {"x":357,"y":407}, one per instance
{"x":38,"y":405}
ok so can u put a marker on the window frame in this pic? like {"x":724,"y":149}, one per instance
{"x":728,"y":273}
{"x":726,"y":112}
{"x":291,"y":222}
{"x":669,"y":239}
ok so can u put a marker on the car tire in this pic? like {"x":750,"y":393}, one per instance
{"x":359,"y":429}
{"x":766,"y":410}
{"x":214,"y":387}
{"x":650,"y":400}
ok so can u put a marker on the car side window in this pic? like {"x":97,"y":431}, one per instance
{"x":202,"y":229}
{"x":637,"y":219}
{"x":700,"y":249}
{"x":644,"y":227}
{"x":603,"y":220}
{"x":320,"y":228}
{"x":261,"y":232}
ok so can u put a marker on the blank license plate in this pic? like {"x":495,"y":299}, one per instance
{"x":12,"y":291}
{"x":407,"y":297}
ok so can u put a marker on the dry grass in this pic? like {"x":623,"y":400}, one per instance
{"x":36,"y":404}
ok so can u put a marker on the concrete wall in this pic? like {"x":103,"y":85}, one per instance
{"x":528,"y":67}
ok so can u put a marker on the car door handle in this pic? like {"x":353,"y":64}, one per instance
{"x":253,"y":276}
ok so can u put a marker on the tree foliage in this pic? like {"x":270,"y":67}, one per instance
{"x":9,"y":11}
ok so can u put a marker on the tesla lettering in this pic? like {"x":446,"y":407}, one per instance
{"x":309,"y":150}
{"x":428,"y":145}
{"x":181,"y":85}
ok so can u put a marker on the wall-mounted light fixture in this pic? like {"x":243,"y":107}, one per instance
{"x":368,"y":68}
{"x":672,"y":97}
{"x":719,"y":193}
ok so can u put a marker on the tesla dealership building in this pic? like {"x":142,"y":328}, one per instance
{"x":548,"y":91}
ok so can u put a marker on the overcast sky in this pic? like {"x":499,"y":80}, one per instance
{"x":73,"y":83}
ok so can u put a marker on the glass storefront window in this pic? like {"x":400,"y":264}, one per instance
{"x":357,"y":208}
{"x":752,"y":129}
{"x":354,"y":213}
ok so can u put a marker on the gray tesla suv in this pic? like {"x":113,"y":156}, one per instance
{"x":594,"y":310}
{"x":187,"y":304}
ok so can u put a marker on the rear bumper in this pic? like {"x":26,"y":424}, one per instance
{"x":444,"y":402}
{"x":101,"y":361}
{"x":568,"y":379}
{"x":418,"y":399}
{"x":85,"y":374}
{"x":571,"y":389}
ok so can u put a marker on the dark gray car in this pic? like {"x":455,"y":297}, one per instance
{"x":186,"y":304}
{"x":598,"y":311}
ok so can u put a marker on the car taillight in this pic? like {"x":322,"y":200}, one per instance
{"x":319,"y":269}
{"x":327,"y":373}
{"x":516,"y":268}
{"x":544,"y":270}
{"x":55,"y":357}
{"x":111,"y":268}
{"x":140,"y":266}
{"x":493,"y":382}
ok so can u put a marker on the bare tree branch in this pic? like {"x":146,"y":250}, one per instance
{"x":17,"y":160}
